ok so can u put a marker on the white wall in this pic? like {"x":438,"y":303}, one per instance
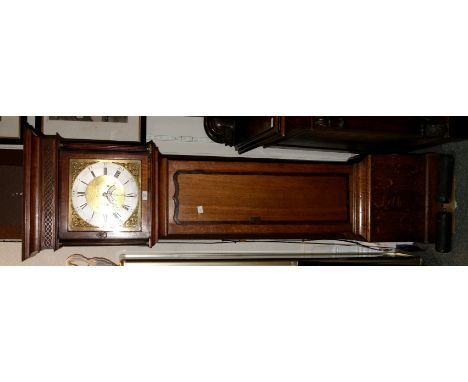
{"x":186,"y":136}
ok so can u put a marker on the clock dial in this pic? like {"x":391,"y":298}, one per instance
{"x":105,"y":195}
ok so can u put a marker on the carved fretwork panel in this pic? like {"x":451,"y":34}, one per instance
{"x":49,"y":192}
{"x":40,"y":193}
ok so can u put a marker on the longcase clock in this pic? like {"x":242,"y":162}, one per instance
{"x":117,"y":193}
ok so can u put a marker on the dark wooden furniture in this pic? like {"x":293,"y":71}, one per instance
{"x":11,"y":194}
{"x":353,"y":134}
{"x":379,"y":198}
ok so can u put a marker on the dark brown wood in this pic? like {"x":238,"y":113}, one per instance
{"x":364,"y":134}
{"x":11,"y":194}
{"x":163,"y":205}
{"x":32,"y":194}
{"x":362,"y":198}
{"x":398,"y":197}
{"x":381,"y":198}
{"x":353,"y":134}
{"x":49,"y":192}
{"x":257,"y":131}
{"x":220,"y":129}
{"x":224,"y":199}
{"x":154,"y":192}
{"x":100,"y":146}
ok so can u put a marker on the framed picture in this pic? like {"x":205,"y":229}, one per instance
{"x":10,"y":130}
{"x":114,"y":128}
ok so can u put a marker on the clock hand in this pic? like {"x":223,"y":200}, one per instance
{"x":108,"y":196}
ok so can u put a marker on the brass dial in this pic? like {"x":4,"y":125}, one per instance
{"x":105,"y":195}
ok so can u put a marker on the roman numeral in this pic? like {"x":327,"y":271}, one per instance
{"x":105,"y":218}
{"x":131,"y":195}
{"x":92,"y":173}
{"x":105,"y":170}
{"x":117,"y":174}
{"x":82,"y":181}
{"x":116,"y":215}
{"x":83,"y":205}
{"x":125,"y":207}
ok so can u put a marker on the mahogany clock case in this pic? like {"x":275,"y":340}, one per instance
{"x":385,"y":197}
{"x":380,"y":198}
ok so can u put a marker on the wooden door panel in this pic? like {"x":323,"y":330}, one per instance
{"x":243,"y":198}
{"x":255,"y":199}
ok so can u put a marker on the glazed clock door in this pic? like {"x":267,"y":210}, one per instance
{"x":104,"y":198}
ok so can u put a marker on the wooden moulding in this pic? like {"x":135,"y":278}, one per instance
{"x":262,"y":135}
{"x":40,"y":159}
{"x":162,"y":197}
{"x":154,"y":192}
{"x":362,"y":198}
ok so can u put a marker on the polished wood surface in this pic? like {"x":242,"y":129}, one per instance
{"x":363,"y":134}
{"x":11,"y":194}
{"x":259,"y":197}
{"x":40,"y":201}
{"x":250,"y":199}
{"x":153,"y":193}
{"x":354,"y":134}
{"x":397,"y":197}
{"x":380,"y":198}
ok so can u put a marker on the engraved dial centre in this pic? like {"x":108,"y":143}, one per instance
{"x":105,"y":193}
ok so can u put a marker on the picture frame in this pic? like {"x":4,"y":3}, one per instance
{"x":11,"y":131}
{"x":116,"y":128}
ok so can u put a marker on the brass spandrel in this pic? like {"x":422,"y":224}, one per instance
{"x":75,"y":222}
